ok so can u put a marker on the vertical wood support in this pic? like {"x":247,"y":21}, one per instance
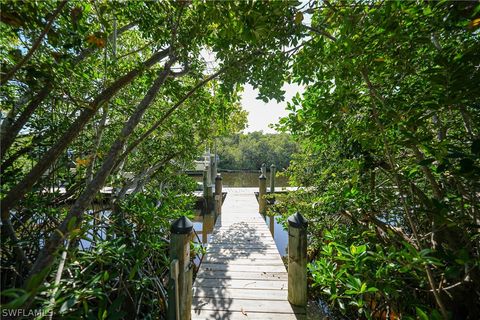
{"x":181,"y":234}
{"x":297,"y":260}
{"x":208,"y":225}
{"x":263,"y":169}
{"x":262,"y":191}
{"x":218,"y":195}
{"x":272,"y":225}
{"x":208,"y":168}
{"x":214,"y":166}
{"x":205,"y":183}
{"x":174,"y":271}
{"x":272,"y":178}
{"x":207,"y":189}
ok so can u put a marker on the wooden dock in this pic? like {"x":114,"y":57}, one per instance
{"x":242,"y":275}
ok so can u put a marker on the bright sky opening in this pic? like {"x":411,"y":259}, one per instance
{"x":261,"y":114}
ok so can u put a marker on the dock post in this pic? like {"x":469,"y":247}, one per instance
{"x":207,"y":188}
{"x":262,"y":191}
{"x":272,"y":178}
{"x":205,"y":183}
{"x":180,"y":284}
{"x":297,"y":260}
{"x":208,"y":168}
{"x":272,"y":226}
{"x":208,"y":225}
{"x":218,"y":195}
{"x":214,"y":167}
{"x":264,"y":169}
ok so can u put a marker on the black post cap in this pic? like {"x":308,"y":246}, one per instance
{"x":296,"y":220}
{"x":262,"y":177}
{"x":182,"y":225}
{"x":218,"y":177}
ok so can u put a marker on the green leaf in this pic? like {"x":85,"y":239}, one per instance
{"x":298,"y":18}
{"x":421,"y":314}
{"x":67,"y":305}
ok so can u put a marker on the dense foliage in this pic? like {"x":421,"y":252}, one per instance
{"x":102,"y":106}
{"x":248,"y":151}
{"x":389,"y":131}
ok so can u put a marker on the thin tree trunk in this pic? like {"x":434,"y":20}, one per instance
{"x":467,"y":121}
{"x":375,"y":95}
{"x":18,"y":191}
{"x":136,"y":181}
{"x":8,"y":120}
{"x":35,"y":45}
{"x":159,"y":122}
{"x":437,"y":191}
{"x":11,"y":132}
{"x":96,"y":144}
{"x":74,"y":217}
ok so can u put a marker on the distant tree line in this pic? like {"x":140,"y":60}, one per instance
{"x":248,"y":151}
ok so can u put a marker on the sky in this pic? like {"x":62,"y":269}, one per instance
{"x":261,"y":114}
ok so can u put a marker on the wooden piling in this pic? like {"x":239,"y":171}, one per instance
{"x":272,"y":225}
{"x":218,"y":194}
{"x":263,"y":169}
{"x":207,"y":189}
{"x":174,"y":272}
{"x":181,"y":234}
{"x":205,"y":183}
{"x":272,"y":178}
{"x":208,"y":168}
{"x":214,"y":167}
{"x":262,"y":191}
{"x":297,"y":260}
{"x":207,"y":227}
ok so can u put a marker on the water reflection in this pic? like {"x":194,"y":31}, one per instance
{"x":203,"y":226}
{"x":279,"y":234}
{"x":246,"y":179}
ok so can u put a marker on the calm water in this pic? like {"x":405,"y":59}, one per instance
{"x":246,"y":179}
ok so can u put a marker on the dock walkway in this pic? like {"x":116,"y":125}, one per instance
{"x":242,"y":275}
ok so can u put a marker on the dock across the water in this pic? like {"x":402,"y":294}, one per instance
{"x":242,"y":275}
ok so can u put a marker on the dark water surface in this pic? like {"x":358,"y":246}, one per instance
{"x":246,"y":179}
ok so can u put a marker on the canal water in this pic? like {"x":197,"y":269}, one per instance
{"x":246,"y":179}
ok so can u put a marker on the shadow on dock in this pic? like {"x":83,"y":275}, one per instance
{"x":240,"y":278}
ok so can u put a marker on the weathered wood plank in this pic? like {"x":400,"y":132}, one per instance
{"x":247,"y":306}
{"x":209,"y":314}
{"x":242,"y":275}
{"x":243,"y":244}
{"x":250,"y":257}
{"x":257,"y":262}
{"x":234,"y":293}
{"x":241,"y":284}
{"x":212,"y":266}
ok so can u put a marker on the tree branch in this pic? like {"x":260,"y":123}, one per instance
{"x":35,"y":45}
